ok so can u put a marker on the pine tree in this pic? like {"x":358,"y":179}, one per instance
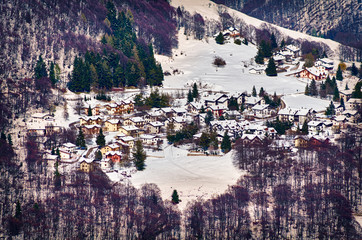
{"x":271,"y":69}
{"x":273,"y":41}
{"x":259,"y":58}
{"x":226,"y":143}
{"x":342,"y":103}
{"x":261,"y":92}
{"x":253,"y":93}
{"x":57,"y":152}
{"x":3,"y":136}
{"x":189,"y":96}
{"x":306,"y":91}
{"x":209,"y":117}
{"x":220,"y":39}
{"x":354,"y":70}
{"x":18,"y":212}
{"x":204,"y":141}
{"x":101,"y":140}
{"x":52,"y":77}
{"x":305,"y":128}
{"x":346,"y":88}
{"x":89,"y":111}
{"x":139,"y":156}
{"x":98,"y":155}
{"x":282,"y":44}
{"x":339,"y":75}
{"x":40,"y":69}
{"x":80,"y":142}
{"x":175,"y":197}
{"x":195,"y":91}
{"x":330,"y":109}
{"x":336,"y":94}
{"x":10,"y":141}
{"x":313,"y":88}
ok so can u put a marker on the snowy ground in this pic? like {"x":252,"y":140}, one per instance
{"x":195,"y":63}
{"x":192,"y":176}
{"x":303,"y":101}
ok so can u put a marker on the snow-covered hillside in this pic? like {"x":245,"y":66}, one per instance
{"x":208,"y":10}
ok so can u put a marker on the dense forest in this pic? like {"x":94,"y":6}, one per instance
{"x":61,"y":30}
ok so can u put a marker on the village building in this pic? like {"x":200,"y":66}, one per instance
{"x":105,"y":164}
{"x":112,"y":125}
{"x":86,"y":165}
{"x":154,"y":127}
{"x":261,"y":111}
{"x":257,"y":70}
{"x":134,"y":121}
{"x":130,"y":130}
{"x":148,"y":139}
{"x":129,"y":140}
{"x":109,"y":148}
{"x":294,"y":49}
{"x":313,"y":73}
{"x":354,"y":103}
{"x":95,"y":110}
{"x":194,"y":107}
{"x":114,"y":156}
{"x":90,"y":120}
{"x":91,"y":129}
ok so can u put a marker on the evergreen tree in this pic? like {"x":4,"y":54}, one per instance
{"x":57,"y":177}
{"x":101,"y":140}
{"x":40,"y":69}
{"x":346,"y":88}
{"x":339,"y":75}
{"x":245,"y":41}
{"x":226,"y":143}
{"x":89,"y":111}
{"x":202,"y":109}
{"x":3,"y":136}
{"x":261,"y":92}
{"x":342,"y":103}
{"x":189,"y":96}
{"x":259,"y":58}
{"x":282,"y":44}
{"x":10,"y":141}
{"x":357,"y":90}
{"x":209,"y":117}
{"x":273,"y":41}
{"x":98,"y":156}
{"x":195,"y":91}
{"x":57,"y":152}
{"x":175,"y":197}
{"x":336,"y":94}
{"x":18,"y":212}
{"x":233,"y":104}
{"x":253,"y":93}
{"x":313,"y":88}
{"x":220,"y":39}
{"x":139,"y":156}
{"x":330,"y":109}
{"x":80,"y":141}
{"x":305,"y":128}
{"x":306,"y":91}
{"x":271,"y":69}
{"x":205,"y":141}
{"x":52,"y":77}
{"x":354,"y":70}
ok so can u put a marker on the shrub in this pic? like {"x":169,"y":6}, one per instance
{"x":237,"y":41}
{"x":219,"y":62}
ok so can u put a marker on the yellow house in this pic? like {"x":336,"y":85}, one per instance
{"x":128,"y":140}
{"x":300,"y":142}
{"x":112,"y":125}
{"x":129,"y":130}
{"x":86,"y":165}
{"x":110,"y":147}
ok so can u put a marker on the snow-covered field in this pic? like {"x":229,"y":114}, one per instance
{"x":303,"y":101}
{"x":195,"y":63}
{"x":192,"y":176}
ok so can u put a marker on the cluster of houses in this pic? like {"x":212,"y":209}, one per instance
{"x":126,"y":125}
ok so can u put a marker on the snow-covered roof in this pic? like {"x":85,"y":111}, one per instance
{"x":260,"y":107}
{"x":288,"y":111}
{"x":113,"y":146}
{"x":147,"y":136}
{"x":279,"y":58}
{"x":317,"y":71}
{"x":69,"y":145}
{"x":113,"y":121}
{"x":39,"y":115}
{"x":302,"y":112}
{"x":127,"y":138}
{"x":114,"y":153}
{"x":92,"y":126}
{"x":252,"y":100}
{"x":314,"y":123}
{"x":179,"y":110}
{"x":156,"y":124}
{"x":130,"y":128}
{"x":292,"y":48}
{"x":137,"y":119}
{"x":87,"y":160}
{"x":327,"y":61}
{"x":179,"y":119}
